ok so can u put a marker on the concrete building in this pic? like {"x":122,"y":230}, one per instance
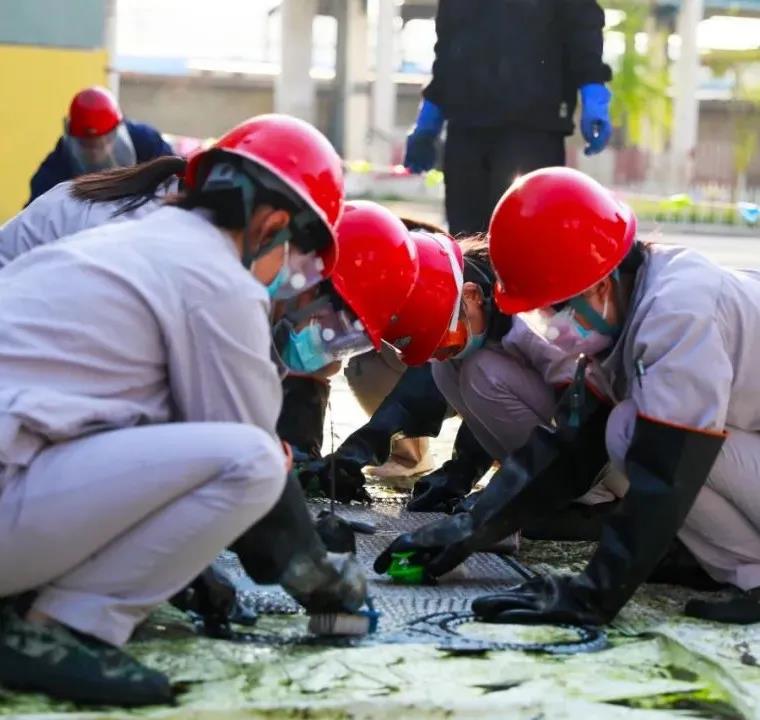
{"x":48,"y":51}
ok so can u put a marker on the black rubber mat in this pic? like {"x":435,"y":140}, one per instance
{"x":420,"y":613}
{"x":399,"y":604}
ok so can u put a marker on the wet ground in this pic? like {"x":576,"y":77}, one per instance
{"x":657,"y":664}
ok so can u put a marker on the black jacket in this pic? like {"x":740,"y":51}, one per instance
{"x":515,"y":62}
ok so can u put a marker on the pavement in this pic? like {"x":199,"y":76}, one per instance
{"x":657,"y":664}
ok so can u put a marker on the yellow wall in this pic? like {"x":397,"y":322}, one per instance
{"x":36,"y":87}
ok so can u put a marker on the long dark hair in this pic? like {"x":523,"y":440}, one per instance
{"x":137,"y":184}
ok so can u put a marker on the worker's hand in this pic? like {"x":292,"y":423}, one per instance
{"x":420,"y":152}
{"x":442,"y":490}
{"x":542,"y":599}
{"x":332,"y":583}
{"x":420,"y":143}
{"x":349,"y":478}
{"x":595,"y":117}
{"x":439,"y":546}
{"x":431,"y":494}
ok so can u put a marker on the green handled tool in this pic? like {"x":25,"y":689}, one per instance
{"x":403,"y":571}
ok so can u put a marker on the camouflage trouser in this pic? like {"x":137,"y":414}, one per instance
{"x":106,"y":527}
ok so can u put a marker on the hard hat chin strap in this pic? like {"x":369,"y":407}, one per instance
{"x":597,"y":319}
{"x":225,"y":176}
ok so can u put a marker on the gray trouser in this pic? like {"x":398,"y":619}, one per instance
{"x":723,"y":527}
{"x":108,"y":526}
{"x":371,"y":377}
{"x":500,"y":397}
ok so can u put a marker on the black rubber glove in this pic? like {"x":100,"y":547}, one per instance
{"x":542,"y":599}
{"x":339,"y":534}
{"x":285,"y":547}
{"x":349,"y":479}
{"x":415,"y":407}
{"x":442,"y":489}
{"x":553,"y":468}
{"x":211,"y":596}
{"x":430,"y":543}
{"x":666,"y":466}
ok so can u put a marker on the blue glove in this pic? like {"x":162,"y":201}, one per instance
{"x":595,"y":117}
{"x":420,"y":143}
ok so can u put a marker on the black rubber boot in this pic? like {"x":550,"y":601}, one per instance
{"x":680,"y":567}
{"x":67,"y":665}
{"x":302,"y":417}
{"x":744,"y":609}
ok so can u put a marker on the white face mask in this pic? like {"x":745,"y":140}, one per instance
{"x":563,"y":330}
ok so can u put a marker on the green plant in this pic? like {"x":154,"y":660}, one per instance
{"x":639,"y":87}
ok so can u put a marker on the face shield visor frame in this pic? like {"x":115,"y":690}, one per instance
{"x":309,"y":338}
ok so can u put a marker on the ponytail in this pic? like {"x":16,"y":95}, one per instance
{"x":137,"y":184}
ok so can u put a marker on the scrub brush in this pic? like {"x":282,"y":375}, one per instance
{"x":363,"y":622}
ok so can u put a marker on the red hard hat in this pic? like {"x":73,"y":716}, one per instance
{"x":554,"y":234}
{"x":427,"y":314}
{"x":93,"y":112}
{"x":294,"y":152}
{"x":377,"y":265}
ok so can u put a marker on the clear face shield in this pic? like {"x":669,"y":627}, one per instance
{"x":461,"y":341}
{"x":560,"y":325}
{"x":299,"y":272}
{"x":101,"y":152}
{"x":317,"y":331}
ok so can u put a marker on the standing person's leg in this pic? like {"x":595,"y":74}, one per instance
{"x":106,"y":527}
{"x":517,"y":151}
{"x":466,"y":175}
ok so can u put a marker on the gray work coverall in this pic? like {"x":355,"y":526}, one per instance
{"x":687,"y":356}
{"x":138,"y":405}
{"x":57,"y":214}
